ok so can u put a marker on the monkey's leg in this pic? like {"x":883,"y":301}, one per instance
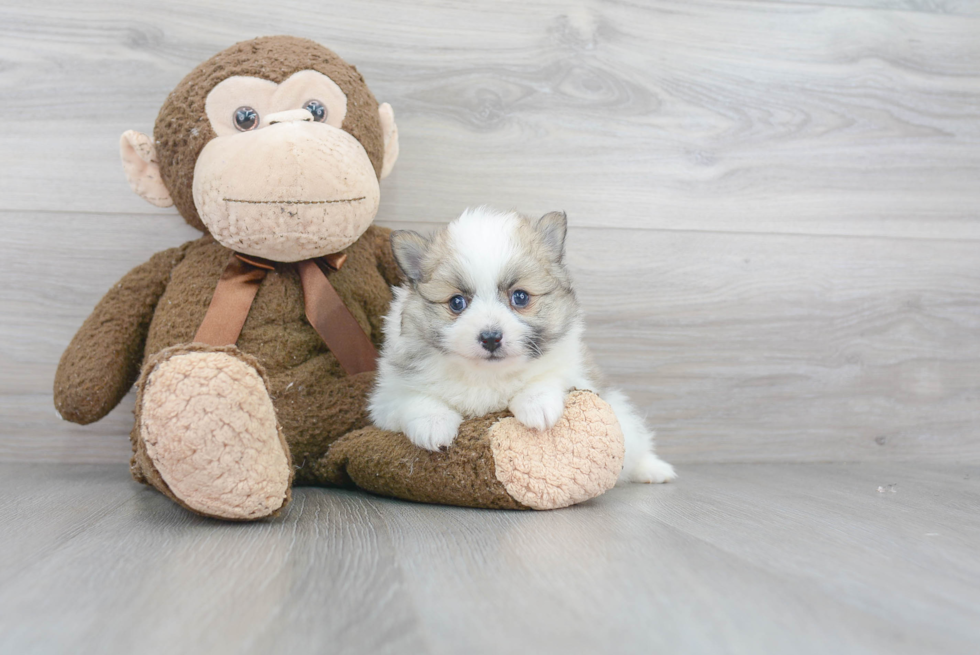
{"x":495,"y":462}
{"x":206,"y":434}
{"x":315,"y":409}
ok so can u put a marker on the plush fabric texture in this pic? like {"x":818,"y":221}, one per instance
{"x":103,"y":359}
{"x":494,"y":462}
{"x":388,"y":464}
{"x":314,"y":399}
{"x":207,"y":423}
{"x":182,"y":128}
{"x":579,"y":458}
{"x":286,"y":163}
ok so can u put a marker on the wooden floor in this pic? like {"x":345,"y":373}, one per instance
{"x":733,"y":558}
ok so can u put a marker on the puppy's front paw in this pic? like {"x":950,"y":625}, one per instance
{"x":652,"y":470}
{"x":434,"y":431}
{"x":538,"y":408}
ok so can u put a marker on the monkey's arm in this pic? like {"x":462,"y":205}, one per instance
{"x":103,"y":359}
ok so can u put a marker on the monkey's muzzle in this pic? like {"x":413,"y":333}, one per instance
{"x":287,"y":192}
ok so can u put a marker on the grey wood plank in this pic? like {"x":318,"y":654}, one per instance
{"x":32,"y":431}
{"x":650,"y":588}
{"x":150,"y":577}
{"x":862,"y":533}
{"x":702,"y":115}
{"x":42,"y":508}
{"x":739,"y":347}
{"x":776,"y":558}
{"x":954,"y":7}
{"x":756,"y":348}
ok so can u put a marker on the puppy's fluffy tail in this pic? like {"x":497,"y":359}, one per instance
{"x":640,"y":463}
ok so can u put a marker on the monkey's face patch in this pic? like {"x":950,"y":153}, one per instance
{"x":281,"y":179}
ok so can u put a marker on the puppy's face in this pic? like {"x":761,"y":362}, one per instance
{"x":490,"y":288}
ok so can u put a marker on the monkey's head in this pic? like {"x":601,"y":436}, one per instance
{"x":275,"y":146}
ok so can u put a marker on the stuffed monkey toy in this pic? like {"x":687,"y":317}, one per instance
{"x":252,"y":348}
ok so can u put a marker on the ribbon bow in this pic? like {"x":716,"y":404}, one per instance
{"x":325,"y":310}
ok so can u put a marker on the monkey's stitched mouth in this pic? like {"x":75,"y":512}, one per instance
{"x":292,"y":202}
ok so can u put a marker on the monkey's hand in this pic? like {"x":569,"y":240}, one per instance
{"x":103,"y":359}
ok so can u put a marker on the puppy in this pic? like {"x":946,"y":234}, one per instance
{"x":486,"y":321}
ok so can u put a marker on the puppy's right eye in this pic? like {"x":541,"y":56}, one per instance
{"x":457,"y":304}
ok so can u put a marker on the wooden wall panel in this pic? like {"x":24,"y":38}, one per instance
{"x":775,"y":204}
{"x":701,"y":114}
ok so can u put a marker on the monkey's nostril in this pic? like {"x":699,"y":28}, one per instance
{"x":490,"y":340}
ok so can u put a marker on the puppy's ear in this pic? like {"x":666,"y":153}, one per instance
{"x":552,"y":227}
{"x":409,"y":249}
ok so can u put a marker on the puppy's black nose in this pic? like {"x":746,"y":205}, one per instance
{"x":491,"y":340}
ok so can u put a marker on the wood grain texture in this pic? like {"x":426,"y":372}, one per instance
{"x":954,"y":7}
{"x":731,"y":558}
{"x":706,"y":114}
{"x":774,"y":204}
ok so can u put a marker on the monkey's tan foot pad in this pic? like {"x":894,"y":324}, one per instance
{"x":208,"y":431}
{"x":495,"y":462}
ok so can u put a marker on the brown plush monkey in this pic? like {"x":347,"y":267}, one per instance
{"x":248,"y":380}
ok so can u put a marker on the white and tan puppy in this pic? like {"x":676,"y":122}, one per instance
{"x":486,"y":321}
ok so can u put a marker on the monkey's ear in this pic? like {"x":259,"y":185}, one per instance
{"x":139,"y":159}
{"x":552,"y":227}
{"x":390,"y":131}
{"x":409,"y":249}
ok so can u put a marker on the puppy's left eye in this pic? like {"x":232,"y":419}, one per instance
{"x":520,"y":298}
{"x":457,"y":304}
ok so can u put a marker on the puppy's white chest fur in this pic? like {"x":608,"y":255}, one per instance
{"x":475,"y":393}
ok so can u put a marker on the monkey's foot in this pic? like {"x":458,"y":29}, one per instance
{"x":494,"y":462}
{"x":206,"y":434}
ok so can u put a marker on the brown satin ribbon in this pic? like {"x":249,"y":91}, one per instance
{"x":231,"y":300}
{"x":333,"y":321}
{"x":325,"y":310}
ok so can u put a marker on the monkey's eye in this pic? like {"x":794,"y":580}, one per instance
{"x":246,"y":119}
{"x":318,"y":110}
{"x":520,"y":298}
{"x":457,"y":304}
